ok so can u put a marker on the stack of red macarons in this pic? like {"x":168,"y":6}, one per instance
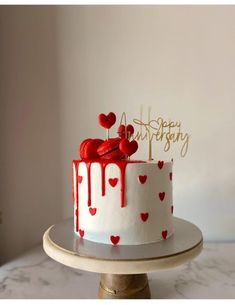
{"x":113,"y":148}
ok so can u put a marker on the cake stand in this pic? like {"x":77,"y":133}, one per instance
{"x":123,"y":269}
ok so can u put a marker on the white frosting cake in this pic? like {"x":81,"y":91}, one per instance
{"x":123,"y":202}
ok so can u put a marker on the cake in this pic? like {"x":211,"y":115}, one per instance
{"x":119,"y":201}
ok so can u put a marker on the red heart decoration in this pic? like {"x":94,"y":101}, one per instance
{"x":164,"y":234}
{"x":160,"y":164}
{"x":114,"y":239}
{"x":128,"y":148}
{"x":170,"y":175}
{"x":172,"y":208}
{"x":161,"y":195}
{"x":144,"y":216}
{"x":81,"y":232}
{"x":122,"y":128}
{"x":92,"y":211}
{"x":113,"y":181}
{"x":79,"y":179}
{"x":130,"y":129}
{"x":142,"y":179}
{"x":107,"y":121}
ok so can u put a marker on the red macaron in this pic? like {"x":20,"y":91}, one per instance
{"x":88,"y":149}
{"x":109,"y":149}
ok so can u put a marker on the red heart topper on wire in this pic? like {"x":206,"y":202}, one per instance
{"x":107,"y":121}
{"x":127,"y":147}
{"x":125,"y":131}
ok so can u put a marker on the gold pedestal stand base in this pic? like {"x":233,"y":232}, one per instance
{"x":124,"y":286}
{"x":123,"y":269}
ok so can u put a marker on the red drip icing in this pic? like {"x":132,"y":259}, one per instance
{"x":103,"y":163}
{"x":88,"y":166}
{"x":75,"y":163}
{"x":122,"y":167}
{"x":102,"y":166}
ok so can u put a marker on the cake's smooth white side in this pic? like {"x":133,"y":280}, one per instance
{"x":112,"y":220}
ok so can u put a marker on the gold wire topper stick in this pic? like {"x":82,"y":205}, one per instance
{"x":141,"y":116}
{"x":149,"y":135}
{"x":124,"y":117}
{"x":107,"y":134}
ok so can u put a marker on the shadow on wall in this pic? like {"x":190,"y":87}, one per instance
{"x":30,"y":170}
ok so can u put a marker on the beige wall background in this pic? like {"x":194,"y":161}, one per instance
{"x":61,"y":66}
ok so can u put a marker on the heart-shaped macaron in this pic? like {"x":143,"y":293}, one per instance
{"x":170,"y":175}
{"x":88,"y":149}
{"x":107,"y":121}
{"x":81,"y":232}
{"x":92,"y":211}
{"x":113,"y":181}
{"x":160,"y":164}
{"x":161,"y":196}
{"x":127,"y":147}
{"x":109,"y":149}
{"x":144,"y":216}
{"x":79,"y":179}
{"x":164,"y":234}
{"x":142,"y":178}
{"x":114,"y":239}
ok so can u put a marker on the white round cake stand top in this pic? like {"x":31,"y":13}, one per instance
{"x":62,"y":245}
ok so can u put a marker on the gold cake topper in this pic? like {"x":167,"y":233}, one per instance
{"x":162,"y":130}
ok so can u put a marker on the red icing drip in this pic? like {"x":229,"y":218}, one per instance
{"x":122,"y":167}
{"x":102,"y":166}
{"x":88,"y":166}
{"x":103,"y":163}
{"x":75,"y":164}
{"x":76,"y":213}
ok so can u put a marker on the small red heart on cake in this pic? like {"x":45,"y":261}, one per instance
{"x":114,"y":239}
{"x":81,"y":232}
{"x":92,"y":211}
{"x":113,"y":181}
{"x":172,"y":208}
{"x":161,"y":195}
{"x":144,"y":216}
{"x":142,"y":179}
{"x":170,"y":175}
{"x":79,"y":179}
{"x":164,"y":234}
{"x":107,"y":121}
{"x":160,"y":164}
{"x":127,"y":147}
